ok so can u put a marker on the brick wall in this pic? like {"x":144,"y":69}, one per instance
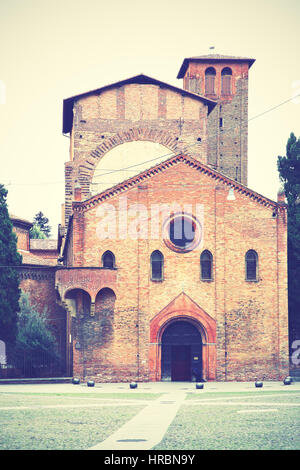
{"x":22,"y":238}
{"x":250,"y":316}
{"x":228,"y":142}
{"x":128,"y":113}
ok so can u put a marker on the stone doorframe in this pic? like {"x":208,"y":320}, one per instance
{"x":183,"y":308}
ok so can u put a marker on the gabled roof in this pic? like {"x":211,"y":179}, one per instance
{"x":20,"y":222}
{"x":141,"y":79}
{"x":161,"y":167}
{"x":212,"y":58}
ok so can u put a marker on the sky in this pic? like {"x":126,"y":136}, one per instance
{"x":51,"y":50}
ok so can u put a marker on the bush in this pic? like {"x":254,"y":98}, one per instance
{"x":36,"y":346}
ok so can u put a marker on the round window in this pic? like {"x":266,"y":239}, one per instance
{"x":182,"y":232}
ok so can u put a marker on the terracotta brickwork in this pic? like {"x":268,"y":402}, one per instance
{"x":228,"y":123}
{"x":132,"y":112}
{"x":243,"y":324}
{"x":137,"y":304}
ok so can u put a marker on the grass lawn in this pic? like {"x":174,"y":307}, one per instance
{"x":236,"y":421}
{"x":63,"y":421}
{"x":257,"y":420}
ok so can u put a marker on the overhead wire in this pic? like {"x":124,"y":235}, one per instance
{"x":170,"y":154}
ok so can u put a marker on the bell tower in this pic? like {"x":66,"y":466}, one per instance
{"x":223,"y":79}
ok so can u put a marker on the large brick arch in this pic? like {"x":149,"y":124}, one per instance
{"x":82,"y":171}
{"x":183,"y":308}
{"x":155,"y":135}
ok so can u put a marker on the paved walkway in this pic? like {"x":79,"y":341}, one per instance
{"x":147,"y":428}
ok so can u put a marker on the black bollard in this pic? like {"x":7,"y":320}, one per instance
{"x":133,"y":385}
{"x":199,"y":386}
{"x":258,"y":384}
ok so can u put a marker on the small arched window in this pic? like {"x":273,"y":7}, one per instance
{"x":251,"y":265}
{"x":157,"y":263}
{"x":210,"y":75}
{"x":226,"y":81}
{"x":206,"y":265}
{"x":108,"y":260}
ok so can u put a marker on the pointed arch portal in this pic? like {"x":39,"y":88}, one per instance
{"x":182,"y":342}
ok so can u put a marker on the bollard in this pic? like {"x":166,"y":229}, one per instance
{"x":199,"y":386}
{"x":258,"y":384}
{"x":133,"y":385}
{"x":287,"y":381}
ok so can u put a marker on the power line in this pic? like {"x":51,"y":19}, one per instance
{"x":170,"y":154}
{"x":274,"y":107}
{"x":197,"y":143}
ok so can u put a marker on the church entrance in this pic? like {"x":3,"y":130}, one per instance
{"x":181,"y":353}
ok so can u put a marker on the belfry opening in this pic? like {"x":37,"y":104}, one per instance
{"x":181,"y":352}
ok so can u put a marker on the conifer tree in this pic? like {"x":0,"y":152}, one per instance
{"x":43,"y":223}
{"x":35,"y":343}
{"x":9,"y":282}
{"x":289,"y":172}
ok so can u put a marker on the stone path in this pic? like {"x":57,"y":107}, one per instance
{"x":147,"y":428}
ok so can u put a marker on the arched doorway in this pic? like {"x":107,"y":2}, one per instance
{"x":181,"y":352}
{"x":183,"y":308}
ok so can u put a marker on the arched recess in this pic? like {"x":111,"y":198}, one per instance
{"x":104,"y":312}
{"x":184,"y":309}
{"x":105,"y":300}
{"x":210,"y":77}
{"x":108,"y":260}
{"x":78,"y":301}
{"x":226,"y":81}
{"x":88,"y":169}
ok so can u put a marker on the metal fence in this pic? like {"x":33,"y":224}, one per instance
{"x":33,"y":367}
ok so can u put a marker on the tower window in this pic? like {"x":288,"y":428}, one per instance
{"x":221,"y":122}
{"x":210,"y":75}
{"x":226,"y":81}
{"x":251,"y":265}
{"x":206,"y":265}
{"x":157,"y":262}
{"x":108,"y":260}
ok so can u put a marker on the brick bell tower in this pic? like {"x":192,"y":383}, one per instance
{"x":225,"y":80}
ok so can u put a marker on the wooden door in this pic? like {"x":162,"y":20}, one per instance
{"x":181,"y":363}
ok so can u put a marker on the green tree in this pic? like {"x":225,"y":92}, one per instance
{"x":9,"y":280}
{"x":36,"y":345}
{"x":289,"y":173}
{"x":43,"y":223}
{"x":36,"y":232}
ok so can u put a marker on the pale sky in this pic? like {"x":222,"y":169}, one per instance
{"x":51,"y":50}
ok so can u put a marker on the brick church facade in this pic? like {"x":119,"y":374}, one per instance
{"x":171,"y":268}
